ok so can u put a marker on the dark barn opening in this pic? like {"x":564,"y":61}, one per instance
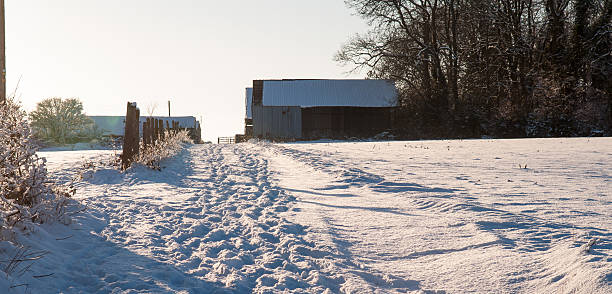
{"x":344,"y":122}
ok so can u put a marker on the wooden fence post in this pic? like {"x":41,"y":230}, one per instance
{"x":155,"y":130}
{"x":148,"y":135}
{"x":161,"y":129}
{"x":131,"y":137}
{"x":144,"y":134}
{"x":150,"y":132}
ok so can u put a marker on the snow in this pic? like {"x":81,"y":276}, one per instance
{"x":78,"y":146}
{"x":358,"y":217}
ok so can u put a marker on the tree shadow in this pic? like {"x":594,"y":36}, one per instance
{"x":319,"y":193}
{"x":371,"y":276}
{"x":82,"y":260}
{"x":176,"y":171}
{"x":442,"y":251}
{"x":390,"y":210}
{"x":394,"y":187}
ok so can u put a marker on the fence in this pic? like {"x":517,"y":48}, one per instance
{"x":226,"y":140}
{"x":153,"y":130}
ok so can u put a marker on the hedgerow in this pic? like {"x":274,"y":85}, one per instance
{"x":27,"y":195}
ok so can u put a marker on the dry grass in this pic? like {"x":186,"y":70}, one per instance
{"x":171,"y":144}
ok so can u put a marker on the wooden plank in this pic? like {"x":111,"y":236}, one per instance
{"x":131,"y":138}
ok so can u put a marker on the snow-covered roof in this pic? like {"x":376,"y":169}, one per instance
{"x":313,"y":93}
{"x":115,"y":125}
{"x":249,"y":102}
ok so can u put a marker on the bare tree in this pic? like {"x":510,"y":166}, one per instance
{"x":500,"y":62}
{"x":151,"y":107}
{"x":59,"y":120}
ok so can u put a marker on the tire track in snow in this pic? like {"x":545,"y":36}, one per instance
{"x":212,"y":220}
{"x":359,"y":277}
{"x":347,"y":176}
{"x":437,"y":200}
{"x":320,"y":267}
{"x":239,"y":239}
{"x":209,"y":221}
{"x":527,"y":235}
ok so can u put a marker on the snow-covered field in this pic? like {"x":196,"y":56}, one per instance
{"x":421,"y":216}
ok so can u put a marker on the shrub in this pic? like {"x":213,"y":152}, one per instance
{"x":26,"y":194}
{"x":169,"y":146}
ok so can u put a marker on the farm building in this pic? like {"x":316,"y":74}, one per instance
{"x":114,"y":126}
{"x":314,"y":109}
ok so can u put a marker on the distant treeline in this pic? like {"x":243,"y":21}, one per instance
{"x":501,"y":68}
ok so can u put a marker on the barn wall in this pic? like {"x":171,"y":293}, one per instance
{"x":277,"y":122}
{"x":343,"y":122}
{"x":248,"y":102}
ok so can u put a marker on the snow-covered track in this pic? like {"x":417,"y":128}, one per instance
{"x":367,"y":217}
{"x":462,"y":216}
{"x":210,"y":221}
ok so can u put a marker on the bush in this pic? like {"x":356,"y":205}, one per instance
{"x":26,"y":194}
{"x":169,"y":146}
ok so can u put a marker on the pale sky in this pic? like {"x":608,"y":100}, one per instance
{"x":199,"y":54}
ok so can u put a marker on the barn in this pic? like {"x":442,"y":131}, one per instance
{"x":315,"y":109}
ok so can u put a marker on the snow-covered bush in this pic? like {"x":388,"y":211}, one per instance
{"x":169,"y":146}
{"x":26,"y":194}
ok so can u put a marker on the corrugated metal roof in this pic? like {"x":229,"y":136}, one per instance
{"x":313,"y":93}
{"x":115,"y":125}
{"x":249,"y":103}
